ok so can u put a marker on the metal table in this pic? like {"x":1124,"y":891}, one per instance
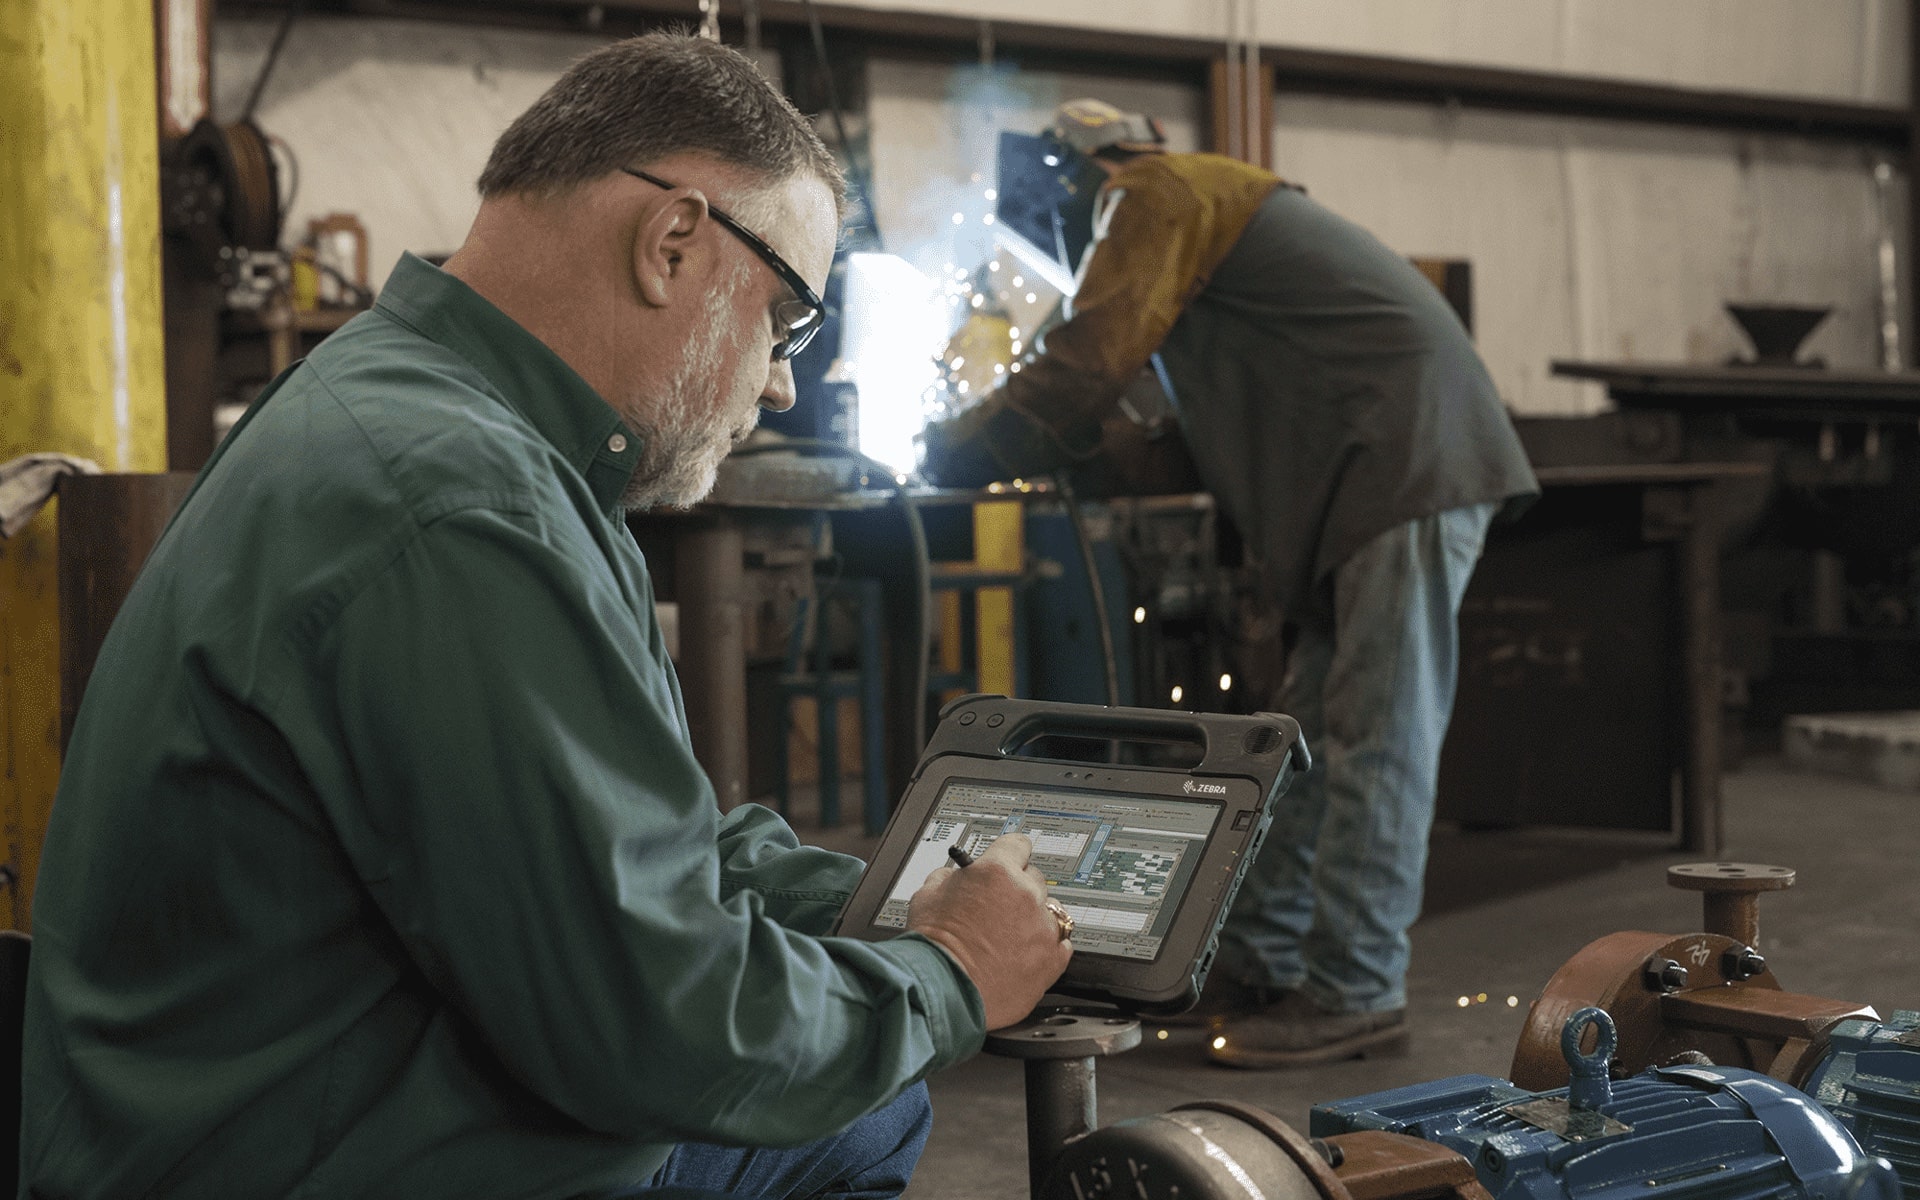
{"x":709,"y":548}
{"x":1814,"y":394}
{"x":1560,"y":768}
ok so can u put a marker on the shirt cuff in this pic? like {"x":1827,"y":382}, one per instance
{"x":956,"y":1016}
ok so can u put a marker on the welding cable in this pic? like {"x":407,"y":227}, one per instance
{"x":861,"y":183}
{"x":1107,"y":658}
{"x":826,"y":78}
{"x":916,"y":536}
{"x":273,"y":58}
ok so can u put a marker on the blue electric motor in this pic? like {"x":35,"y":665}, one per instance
{"x":1870,"y":1079}
{"x":1694,"y":1131}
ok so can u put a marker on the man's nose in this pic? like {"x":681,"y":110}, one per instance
{"x":779,"y":393}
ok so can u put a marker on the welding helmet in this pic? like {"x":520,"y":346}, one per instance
{"x":1091,"y":126}
{"x":1048,"y":182}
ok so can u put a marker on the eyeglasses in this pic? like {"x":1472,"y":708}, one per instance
{"x":801,"y":317}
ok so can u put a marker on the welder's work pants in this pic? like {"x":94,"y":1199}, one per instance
{"x":1327,"y":905}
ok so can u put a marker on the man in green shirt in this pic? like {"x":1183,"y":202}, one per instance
{"x":380,"y":864}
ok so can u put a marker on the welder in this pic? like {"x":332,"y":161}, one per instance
{"x":1333,"y":404}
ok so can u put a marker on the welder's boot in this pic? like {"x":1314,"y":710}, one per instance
{"x":1293,"y":1031}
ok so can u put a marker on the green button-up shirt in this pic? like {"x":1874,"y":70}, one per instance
{"x":381,"y":865}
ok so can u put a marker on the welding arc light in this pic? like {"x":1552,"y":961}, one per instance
{"x":1178,"y":692}
{"x":1139,"y":616}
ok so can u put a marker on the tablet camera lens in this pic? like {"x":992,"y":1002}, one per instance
{"x":1262,"y":740}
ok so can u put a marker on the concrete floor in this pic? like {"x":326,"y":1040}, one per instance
{"x":1504,"y":911}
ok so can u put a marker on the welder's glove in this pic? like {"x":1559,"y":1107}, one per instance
{"x":992,"y":441}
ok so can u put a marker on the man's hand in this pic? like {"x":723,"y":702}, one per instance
{"x":992,"y":440}
{"x":991,"y":918}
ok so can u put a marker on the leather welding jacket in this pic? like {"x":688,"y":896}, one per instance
{"x":381,"y":865}
{"x":1325,"y":390}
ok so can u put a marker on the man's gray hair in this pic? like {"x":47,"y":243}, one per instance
{"x":645,"y":98}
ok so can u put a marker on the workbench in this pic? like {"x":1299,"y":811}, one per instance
{"x":707,"y":548}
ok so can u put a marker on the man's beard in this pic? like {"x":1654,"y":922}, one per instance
{"x":688,"y":431}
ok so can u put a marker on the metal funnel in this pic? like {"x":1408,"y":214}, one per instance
{"x":1776,"y":330}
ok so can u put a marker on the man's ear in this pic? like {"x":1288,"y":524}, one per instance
{"x":672,"y":247}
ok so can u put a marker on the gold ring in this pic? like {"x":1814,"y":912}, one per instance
{"x":1062,"y":919}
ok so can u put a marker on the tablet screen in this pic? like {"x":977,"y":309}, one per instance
{"x":1120,"y":864}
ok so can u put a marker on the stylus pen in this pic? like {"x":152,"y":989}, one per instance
{"x":960,"y":857}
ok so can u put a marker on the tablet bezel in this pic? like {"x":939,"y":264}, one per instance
{"x":1170,"y":979}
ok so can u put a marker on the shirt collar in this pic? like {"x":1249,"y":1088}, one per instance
{"x":533,"y":380}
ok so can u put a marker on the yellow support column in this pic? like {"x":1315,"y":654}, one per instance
{"x":82,"y":367}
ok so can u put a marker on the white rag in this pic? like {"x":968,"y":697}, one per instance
{"x":27,"y":483}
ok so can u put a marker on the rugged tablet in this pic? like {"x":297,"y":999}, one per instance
{"x":1146,"y":859}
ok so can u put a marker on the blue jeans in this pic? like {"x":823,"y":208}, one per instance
{"x":871,"y":1159}
{"x":1326,"y":906}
